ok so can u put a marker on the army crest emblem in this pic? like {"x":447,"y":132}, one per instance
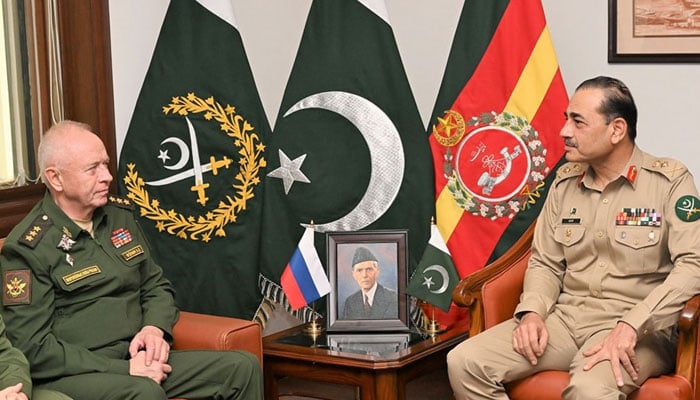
{"x":246,"y":168}
{"x":494,"y":163}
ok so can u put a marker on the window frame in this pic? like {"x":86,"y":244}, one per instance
{"x":86,"y":71}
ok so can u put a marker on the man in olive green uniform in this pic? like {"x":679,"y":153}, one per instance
{"x":615,"y":255}
{"x":15,"y":382}
{"x":84,"y":300}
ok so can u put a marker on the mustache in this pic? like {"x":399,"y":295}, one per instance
{"x":570,"y":142}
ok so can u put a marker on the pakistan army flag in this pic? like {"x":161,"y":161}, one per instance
{"x":349,"y":151}
{"x":193,"y":160}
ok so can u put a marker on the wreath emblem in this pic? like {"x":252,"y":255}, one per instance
{"x":212,"y":222}
{"x":527,"y":191}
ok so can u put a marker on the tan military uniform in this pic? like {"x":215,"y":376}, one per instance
{"x":629,"y":253}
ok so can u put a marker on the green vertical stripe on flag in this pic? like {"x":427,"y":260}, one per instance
{"x":477,"y":23}
{"x":349,"y":138}
{"x":193,"y":160}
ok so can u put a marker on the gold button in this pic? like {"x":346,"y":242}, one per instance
{"x":600,"y":234}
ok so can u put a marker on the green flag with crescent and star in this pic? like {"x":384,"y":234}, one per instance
{"x":436,"y":275}
{"x":349,"y":151}
{"x":193,"y":160}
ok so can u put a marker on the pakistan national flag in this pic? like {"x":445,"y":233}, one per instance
{"x":193,"y":159}
{"x":436,"y":276}
{"x":349,"y":151}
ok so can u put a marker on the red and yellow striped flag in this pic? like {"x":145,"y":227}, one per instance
{"x":495,"y":135}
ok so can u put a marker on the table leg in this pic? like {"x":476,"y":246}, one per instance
{"x":386,"y":386}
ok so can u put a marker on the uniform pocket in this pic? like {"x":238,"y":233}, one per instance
{"x":569,"y":235}
{"x":638,"y":246}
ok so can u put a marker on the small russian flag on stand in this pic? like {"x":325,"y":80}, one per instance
{"x":303,"y":279}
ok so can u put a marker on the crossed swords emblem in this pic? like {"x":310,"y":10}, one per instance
{"x":198,"y":169}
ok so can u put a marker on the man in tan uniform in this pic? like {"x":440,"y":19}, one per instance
{"x":615,"y":254}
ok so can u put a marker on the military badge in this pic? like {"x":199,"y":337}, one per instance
{"x":638,"y":217}
{"x":494,"y":164}
{"x":82,"y":274}
{"x":33,"y":235}
{"x":132,"y":252}
{"x":687,"y":208}
{"x":66,"y":243}
{"x":17,"y":287}
{"x":120,"y":237}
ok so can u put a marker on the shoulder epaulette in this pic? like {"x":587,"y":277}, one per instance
{"x":33,"y":235}
{"x":667,"y":167}
{"x":121,"y":202}
{"x":570,"y":170}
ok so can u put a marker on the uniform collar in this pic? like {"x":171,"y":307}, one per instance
{"x":629,"y":173}
{"x":64,"y":222}
{"x":631,"y":170}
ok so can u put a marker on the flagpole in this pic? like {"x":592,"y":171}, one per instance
{"x":313,"y":328}
{"x":433,"y":325}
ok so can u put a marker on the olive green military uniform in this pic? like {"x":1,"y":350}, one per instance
{"x":72,"y":304}
{"x":629,"y":253}
{"x":14,"y":369}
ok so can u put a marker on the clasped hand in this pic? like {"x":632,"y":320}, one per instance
{"x":530,"y":340}
{"x":13,"y":392}
{"x":149,"y":354}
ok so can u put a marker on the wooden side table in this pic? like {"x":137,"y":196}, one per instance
{"x":379,"y":365}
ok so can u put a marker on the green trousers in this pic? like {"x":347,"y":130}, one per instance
{"x":219,"y":375}
{"x":41,"y":394}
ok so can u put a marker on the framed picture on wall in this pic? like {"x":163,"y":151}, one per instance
{"x":367,"y":271}
{"x":653,"y":31}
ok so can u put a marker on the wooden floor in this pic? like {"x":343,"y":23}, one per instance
{"x":434,"y":386}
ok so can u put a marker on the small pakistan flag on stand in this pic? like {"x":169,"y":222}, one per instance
{"x":436,"y":276}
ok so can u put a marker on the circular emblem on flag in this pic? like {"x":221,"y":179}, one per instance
{"x":499,"y":166}
{"x":212,"y":221}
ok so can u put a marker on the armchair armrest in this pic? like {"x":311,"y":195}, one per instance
{"x":194,"y":331}
{"x":491,"y":293}
{"x":688,"y":346}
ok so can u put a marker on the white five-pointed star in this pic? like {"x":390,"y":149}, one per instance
{"x":428,"y":282}
{"x":164,"y":156}
{"x":289,"y":171}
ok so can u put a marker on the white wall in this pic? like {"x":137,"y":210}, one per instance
{"x":667,"y":95}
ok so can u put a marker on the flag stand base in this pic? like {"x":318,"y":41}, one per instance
{"x":433,"y":325}
{"x":433,"y":328}
{"x":313,"y":328}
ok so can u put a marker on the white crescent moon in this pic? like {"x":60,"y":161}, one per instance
{"x":184,"y":153}
{"x":445,"y":277}
{"x":385,"y":150}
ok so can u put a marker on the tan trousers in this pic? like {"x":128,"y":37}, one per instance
{"x":479,"y":366}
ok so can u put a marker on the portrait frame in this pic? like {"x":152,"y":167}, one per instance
{"x":390,"y":247}
{"x":640,"y":33}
